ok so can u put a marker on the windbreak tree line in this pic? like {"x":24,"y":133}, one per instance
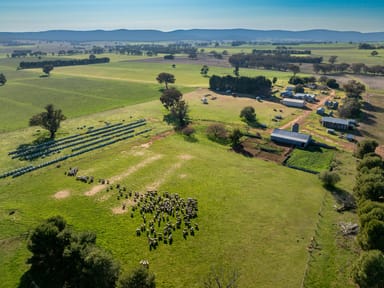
{"x":368,"y":271}
{"x":257,"y":86}
{"x":356,"y":68}
{"x":269,"y":61}
{"x":60,"y":63}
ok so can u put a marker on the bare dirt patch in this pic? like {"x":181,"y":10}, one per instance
{"x":185,"y":157}
{"x":95,"y":189}
{"x":182,"y":176}
{"x":146,"y":145}
{"x":62,"y":194}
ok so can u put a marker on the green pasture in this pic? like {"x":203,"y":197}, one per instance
{"x":312,"y":158}
{"x":243,"y":222}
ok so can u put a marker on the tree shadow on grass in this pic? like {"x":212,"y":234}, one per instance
{"x":343,"y":198}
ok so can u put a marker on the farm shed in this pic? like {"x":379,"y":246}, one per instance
{"x":293,"y":102}
{"x":291,"y":138}
{"x":337,"y":123}
{"x":306,"y":97}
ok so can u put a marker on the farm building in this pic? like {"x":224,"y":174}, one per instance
{"x":291,"y":138}
{"x":293,"y":102}
{"x":306,"y":97}
{"x":338,"y":123}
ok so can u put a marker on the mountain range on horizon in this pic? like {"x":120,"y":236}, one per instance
{"x":317,"y":35}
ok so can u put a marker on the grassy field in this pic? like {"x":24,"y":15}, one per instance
{"x":313,"y":158}
{"x":238,"y":231}
{"x":254,"y":215}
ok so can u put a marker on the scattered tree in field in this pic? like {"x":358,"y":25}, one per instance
{"x":220,"y":278}
{"x":294,"y":68}
{"x":165,"y":78}
{"x":329,"y":179}
{"x":50,"y":119}
{"x":92,"y":57}
{"x":248,"y":114}
{"x":332,"y":59}
{"x":351,"y":108}
{"x":170,"y":97}
{"x":3,"y":79}
{"x":235,"y":137}
{"x":365,"y":147}
{"x":178,"y":115}
{"x":374,"y":53}
{"x":204,"y":70}
{"x":138,"y":278}
{"x":332,"y":83}
{"x":323,"y":79}
{"x":274,"y":80}
{"x":63,"y":258}
{"x":47,"y":69}
{"x":368,"y":271}
{"x":354,"y":89}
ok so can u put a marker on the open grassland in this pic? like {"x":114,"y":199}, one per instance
{"x":244,"y":222}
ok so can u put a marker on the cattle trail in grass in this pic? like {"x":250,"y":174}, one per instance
{"x":158,"y":182}
{"x":98,"y":188}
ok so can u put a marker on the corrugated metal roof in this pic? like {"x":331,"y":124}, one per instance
{"x":289,"y":135}
{"x":293,"y":100}
{"x":335,"y":120}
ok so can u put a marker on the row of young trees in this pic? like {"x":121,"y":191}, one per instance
{"x":62,"y":257}
{"x":368,"y":271}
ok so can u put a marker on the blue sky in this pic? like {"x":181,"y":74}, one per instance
{"x":166,"y":15}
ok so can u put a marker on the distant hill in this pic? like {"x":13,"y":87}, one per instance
{"x":195,"y":34}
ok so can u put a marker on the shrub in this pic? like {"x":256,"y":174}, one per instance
{"x":368,"y":271}
{"x":329,"y":179}
{"x":217,"y":132}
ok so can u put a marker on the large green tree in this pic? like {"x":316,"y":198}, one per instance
{"x":170,"y":97}
{"x":47,"y":68}
{"x":165,"y":78}
{"x":368,"y":271}
{"x":248,"y":114}
{"x":354,"y":89}
{"x":49,"y":119}
{"x":63,"y":258}
{"x":365,"y":147}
